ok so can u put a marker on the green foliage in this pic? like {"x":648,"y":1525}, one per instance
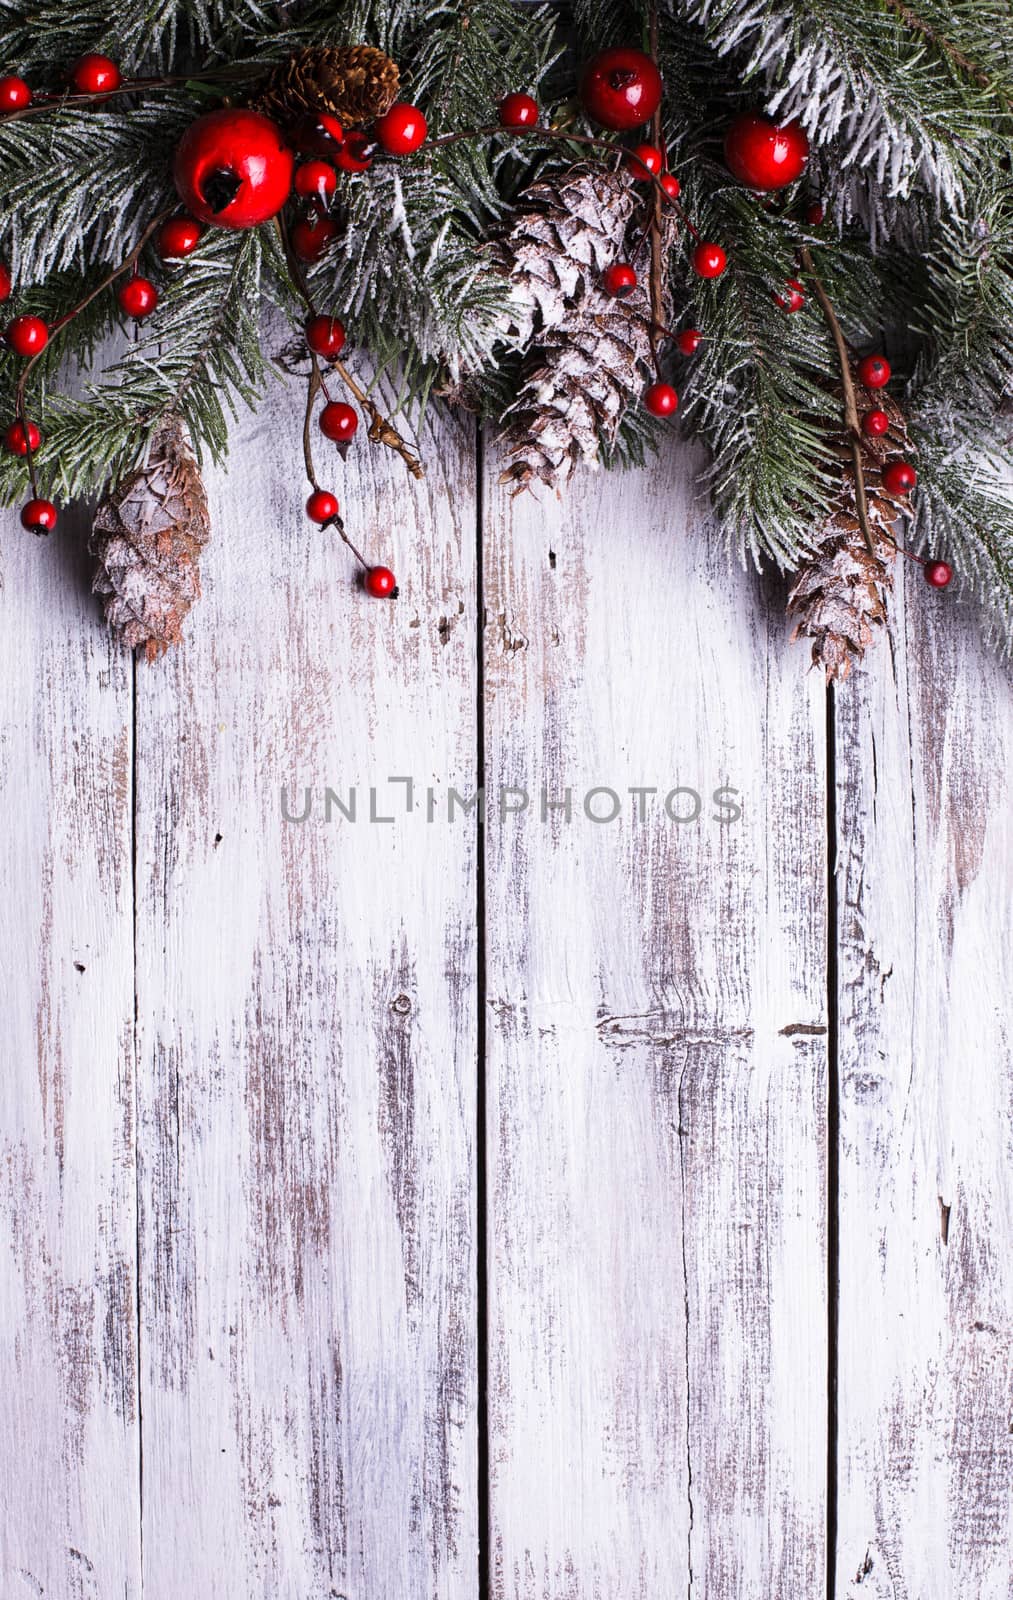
{"x":910,"y":111}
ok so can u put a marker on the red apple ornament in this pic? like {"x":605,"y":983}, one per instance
{"x":233,"y":168}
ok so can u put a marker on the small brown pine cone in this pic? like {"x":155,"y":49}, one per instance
{"x":147,"y":537}
{"x":839,"y":597}
{"x":355,"y":83}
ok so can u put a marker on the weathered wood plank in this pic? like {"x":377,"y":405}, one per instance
{"x":656,"y":1061}
{"x":70,"y":1520}
{"x":925,"y":872}
{"x":306,"y":998}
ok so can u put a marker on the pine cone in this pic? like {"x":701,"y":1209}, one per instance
{"x":839,"y":597}
{"x":147,"y":537}
{"x":587,"y":352}
{"x":355,"y":83}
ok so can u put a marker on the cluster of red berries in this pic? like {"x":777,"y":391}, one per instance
{"x":897,"y":477}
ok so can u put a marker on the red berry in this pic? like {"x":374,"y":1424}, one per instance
{"x":621,"y":88}
{"x":14,"y":94}
{"x":322,"y":506}
{"x":178,"y":238}
{"x":5,"y":282}
{"x":764,"y":156}
{"x":671,"y":185}
{"x":95,"y":74}
{"x":39,"y":516}
{"x":138,"y":297}
{"x":325,"y":336}
{"x":338,"y":421}
{"x":316,"y":178}
{"x":899,"y":477}
{"x":402,"y":129}
{"x":644,"y":161}
{"x":27,"y":336}
{"x":619,"y":279}
{"x":518,"y":111}
{"x":318,"y":135}
{"x":709,"y":260}
{"x":15,"y":441}
{"x":874,"y":371}
{"x":355,"y":155}
{"x":794,"y":297}
{"x":233,"y":168}
{"x":689,"y":341}
{"x":875,"y":423}
{"x":311,"y":237}
{"x":661,"y":399}
{"x":938,"y":574}
{"x":381,"y":583}
{"x":814,"y":215}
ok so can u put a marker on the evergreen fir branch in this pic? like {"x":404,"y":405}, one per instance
{"x":963,"y":513}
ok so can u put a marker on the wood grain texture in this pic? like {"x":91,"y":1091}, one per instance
{"x":925,"y":877}
{"x":656,"y":1062}
{"x":69,"y":1508}
{"x":307,"y":1001}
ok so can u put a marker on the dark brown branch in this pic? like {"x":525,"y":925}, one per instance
{"x":953,"y":53}
{"x":851,"y":420}
{"x":657,"y":281}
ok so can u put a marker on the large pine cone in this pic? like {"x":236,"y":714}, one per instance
{"x":586,"y":354}
{"x":147,"y":537}
{"x":839,"y":598}
{"x":356,"y":83}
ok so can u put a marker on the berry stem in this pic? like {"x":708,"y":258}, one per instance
{"x":60,"y":100}
{"x":851,"y":420}
{"x":313,"y":388}
{"x":657,"y":282}
{"x":129,"y":262}
{"x":381,"y":430}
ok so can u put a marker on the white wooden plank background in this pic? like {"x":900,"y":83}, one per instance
{"x":461,"y":1215}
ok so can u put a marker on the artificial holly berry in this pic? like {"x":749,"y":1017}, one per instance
{"x":619,"y":279}
{"x":402,"y":129}
{"x":95,"y":74}
{"x":138,"y":297}
{"x":318,"y":135}
{"x":661,"y":400}
{"x":874,"y":371}
{"x":937,"y":574}
{"x":233,"y":168}
{"x":381,"y":583}
{"x":39,"y":516}
{"x":177,"y":238}
{"x":5,"y":282}
{"x":709,"y":260}
{"x":338,"y":421}
{"x":764,"y":156}
{"x":316,"y":179}
{"x":27,"y":336}
{"x":621,"y":88}
{"x":15,"y":94}
{"x":644,"y":161}
{"x":322,"y":506}
{"x":793,"y":298}
{"x":311,"y":236}
{"x":518,"y":111}
{"x":899,"y":477}
{"x":814,"y":215}
{"x":875,"y":424}
{"x":689,"y":341}
{"x":15,"y":441}
{"x":671,"y":185}
{"x":355,"y":155}
{"x":325,"y":336}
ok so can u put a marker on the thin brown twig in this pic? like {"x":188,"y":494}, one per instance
{"x":952,"y":52}
{"x":851,"y":421}
{"x":61,"y":100}
{"x":312,"y":390}
{"x":381,"y":429}
{"x":128,"y":262}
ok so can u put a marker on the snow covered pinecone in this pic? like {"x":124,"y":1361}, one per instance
{"x":586,"y":352}
{"x":839,"y":598}
{"x":147,"y":537}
